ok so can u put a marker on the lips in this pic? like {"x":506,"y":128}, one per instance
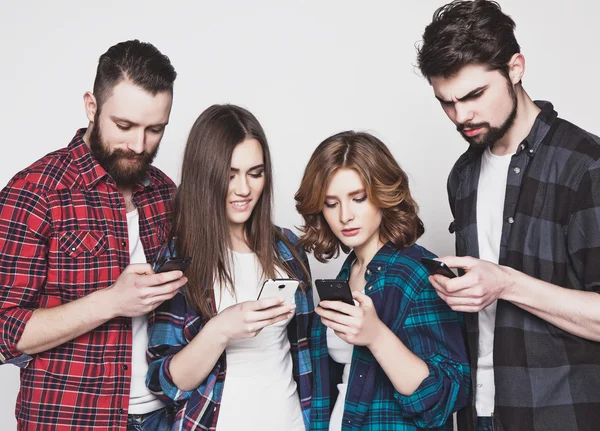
{"x":240,"y":205}
{"x":350,"y":232}
{"x":472,"y":132}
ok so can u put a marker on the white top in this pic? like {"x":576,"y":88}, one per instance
{"x":259,"y":392}
{"x":490,"y":211}
{"x":340,"y":352}
{"x":141,"y":400}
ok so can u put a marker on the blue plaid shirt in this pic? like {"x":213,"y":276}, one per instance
{"x":406,"y":302}
{"x":174,"y":324}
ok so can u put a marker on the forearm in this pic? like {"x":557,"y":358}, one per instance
{"x":51,"y":327}
{"x":573,"y":311}
{"x":192,"y":364}
{"x":405,"y":370}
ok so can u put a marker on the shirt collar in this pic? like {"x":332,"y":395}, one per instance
{"x":90,"y":170}
{"x":540,"y":128}
{"x":378,"y":264}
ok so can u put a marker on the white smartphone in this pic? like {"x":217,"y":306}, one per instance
{"x":279,"y":288}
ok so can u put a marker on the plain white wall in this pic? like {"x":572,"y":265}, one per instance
{"x":305,"y":69}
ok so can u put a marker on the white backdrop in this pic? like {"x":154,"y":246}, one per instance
{"x":305,"y":69}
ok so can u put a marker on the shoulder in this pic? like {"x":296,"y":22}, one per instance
{"x":288,"y":234}
{"x":160,"y":178}
{"x":405,"y":270}
{"x":575,"y":143}
{"x":53,"y":171}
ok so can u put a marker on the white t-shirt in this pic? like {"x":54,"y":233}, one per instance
{"x":259,"y":392}
{"x":141,"y":400}
{"x":340,"y":352}
{"x":491,"y":193}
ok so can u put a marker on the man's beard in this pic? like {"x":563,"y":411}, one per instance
{"x":124,"y":173}
{"x":493,"y":134}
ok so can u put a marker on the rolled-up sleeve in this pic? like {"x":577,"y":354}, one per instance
{"x":435,"y":334}
{"x":167,"y":324}
{"x":24,"y":229}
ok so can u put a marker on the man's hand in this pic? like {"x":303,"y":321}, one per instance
{"x":138,"y":290}
{"x":483,"y":283}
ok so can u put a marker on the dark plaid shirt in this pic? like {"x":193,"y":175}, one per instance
{"x":546,"y":379}
{"x":406,"y":303}
{"x":63,"y":235}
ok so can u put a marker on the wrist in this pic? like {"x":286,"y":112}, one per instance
{"x":105,"y":304}
{"x":511,"y":282}
{"x":379,"y":336}
{"x":216,"y":332}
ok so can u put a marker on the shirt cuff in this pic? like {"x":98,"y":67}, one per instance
{"x":168,"y":386}
{"x":14,"y":322}
{"x":433,"y":402}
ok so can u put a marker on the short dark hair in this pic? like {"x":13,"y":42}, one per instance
{"x":139,"y":62}
{"x":467,"y":32}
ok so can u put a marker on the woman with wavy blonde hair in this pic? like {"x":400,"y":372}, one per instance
{"x":397,"y":359}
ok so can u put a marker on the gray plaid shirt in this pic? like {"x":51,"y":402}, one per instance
{"x":546,"y":379}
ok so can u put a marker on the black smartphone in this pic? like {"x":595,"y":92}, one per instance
{"x":437,"y":267}
{"x":173,"y":264}
{"x":334,"y":290}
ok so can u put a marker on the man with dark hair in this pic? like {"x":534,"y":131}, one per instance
{"x":526,"y":203}
{"x":77,"y":229}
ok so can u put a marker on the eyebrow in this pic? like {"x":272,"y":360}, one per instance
{"x":354,"y":193}
{"x":465,"y":97}
{"x":132,"y":123}
{"x":262,"y":165}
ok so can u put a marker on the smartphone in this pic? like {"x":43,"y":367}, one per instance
{"x":279,"y":288}
{"x":173,"y":264}
{"x":334,"y":290}
{"x":437,"y":267}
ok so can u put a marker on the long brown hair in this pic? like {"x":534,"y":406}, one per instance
{"x":386,"y":185}
{"x":199,"y":215}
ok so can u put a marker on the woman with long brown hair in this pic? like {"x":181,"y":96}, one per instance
{"x":228,"y":360}
{"x":396,"y":360}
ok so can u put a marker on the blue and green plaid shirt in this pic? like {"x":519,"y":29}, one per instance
{"x":174,"y":324}
{"x":406,"y":302}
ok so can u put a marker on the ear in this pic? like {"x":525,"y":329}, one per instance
{"x":516,"y":68}
{"x":90,"y":105}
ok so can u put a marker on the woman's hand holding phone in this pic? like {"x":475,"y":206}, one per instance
{"x":358,"y":325}
{"x":247,"y":319}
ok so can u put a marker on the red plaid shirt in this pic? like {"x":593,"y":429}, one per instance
{"x":63,"y":235}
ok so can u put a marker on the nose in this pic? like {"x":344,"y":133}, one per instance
{"x":241,"y":186}
{"x":346,"y":214}
{"x":464,"y":113}
{"x":138,"y":142}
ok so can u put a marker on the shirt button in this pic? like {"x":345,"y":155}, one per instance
{"x":511,"y":220}
{"x":517,"y":170}
{"x":378,"y":268}
{"x":360,"y":376}
{"x":368,"y":272}
{"x":121,"y":411}
{"x":370,"y":287}
{"x":522,"y":147}
{"x":125,"y":367}
{"x":73,"y":249}
{"x":124,"y":243}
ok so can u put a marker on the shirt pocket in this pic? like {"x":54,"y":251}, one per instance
{"x":79,"y":263}
{"x":74,"y":243}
